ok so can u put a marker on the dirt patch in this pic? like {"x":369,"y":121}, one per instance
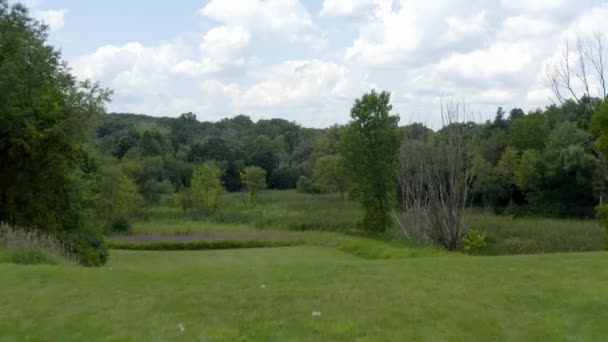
{"x":266,"y":236}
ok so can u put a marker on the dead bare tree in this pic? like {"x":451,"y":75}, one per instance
{"x":435,"y":181}
{"x":579,"y":71}
{"x":581,"y":74}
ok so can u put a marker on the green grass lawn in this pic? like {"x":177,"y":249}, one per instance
{"x":218,"y":296}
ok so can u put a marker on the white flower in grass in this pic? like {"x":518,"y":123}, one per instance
{"x":263,"y":286}
{"x":316,"y":313}
{"x":181,"y":327}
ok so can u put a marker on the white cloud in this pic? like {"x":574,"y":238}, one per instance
{"x":262,"y":58}
{"x":55,"y":19}
{"x":524,"y":27}
{"x":300,"y":83}
{"x":313,"y":91}
{"x":459,"y":27}
{"x":225,"y":42}
{"x":348,"y":8}
{"x":543,"y":7}
{"x":497,"y":60}
{"x":286,"y":19}
{"x":388,"y":38}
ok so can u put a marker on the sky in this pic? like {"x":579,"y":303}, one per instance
{"x":307,"y":61}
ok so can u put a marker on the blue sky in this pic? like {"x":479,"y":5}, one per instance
{"x":308,"y":60}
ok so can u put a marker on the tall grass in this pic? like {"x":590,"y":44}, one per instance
{"x":28,"y":246}
{"x":527,"y":235}
{"x":282,"y":210}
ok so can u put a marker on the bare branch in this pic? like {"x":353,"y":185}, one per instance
{"x":436,"y":179}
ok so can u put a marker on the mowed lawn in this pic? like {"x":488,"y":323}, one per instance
{"x":270,"y":294}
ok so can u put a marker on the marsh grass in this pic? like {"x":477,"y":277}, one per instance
{"x":279,"y":210}
{"x":28,"y":246}
{"x":527,"y":235}
{"x":292,"y":211}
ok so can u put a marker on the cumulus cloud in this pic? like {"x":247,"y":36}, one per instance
{"x":321,"y":92}
{"x":286,"y":19}
{"x":348,"y":8}
{"x":272,"y":58}
{"x":459,"y":27}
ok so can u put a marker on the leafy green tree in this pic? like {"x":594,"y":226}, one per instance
{"x":515,"y":114}
{"x":205,"y":194}
{"x":284,"y":177}
{"x":370,"y":147}
{"x":529,"y":132}
{"x":264,"y":154}
{"x":599,"y":127}
{"x":119,"y":197}
{"x":149,"y":174}
{"x":330,"y":175}
{"x":499,"y":120}
{"x":254,"y":181}
{"x":505,"y":190}
{"x":528,"y":171}
{"x":45,"y":122}
{"x":305,"y":185}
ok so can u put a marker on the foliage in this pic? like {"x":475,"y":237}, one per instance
{"x":119,"y":196}
{"x":599,"y":127}
{"x":474,"y":241}
{"x":369,"y":148}
{"x":121,"y":225}
{"x":205,"y":194}
{"x":305,"y":185}
{"x":330,"y":175}
{"x":602,"y":216}
{"x":45,"y":120}
{"x":529,"y":132}
{"x":284,"y":177}
{"x":87,"y":246}
{"x":254,"y":181}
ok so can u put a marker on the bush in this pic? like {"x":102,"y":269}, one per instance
{"x":474,"y":241}
{"x":87,"y":246}
{"x":601,"y":212}
{"x":305,"y":185}
{"x":121,"y":226}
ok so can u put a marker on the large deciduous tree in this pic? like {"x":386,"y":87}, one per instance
{"x":370,"y":147}
{"x":45,"y":117}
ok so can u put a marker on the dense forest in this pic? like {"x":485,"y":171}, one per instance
{"x":541,"y":162}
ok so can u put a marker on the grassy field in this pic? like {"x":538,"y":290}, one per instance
{"x":270,"y":295}
{"x":331,"y":284}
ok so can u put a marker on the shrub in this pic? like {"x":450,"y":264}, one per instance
{"x":305,"y":185}
{"x":474,"y":241}
{"x":601,"y":212}
{"x":87,"y":246}
{"x":513,"y":210}
{"x":121,"y":226}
